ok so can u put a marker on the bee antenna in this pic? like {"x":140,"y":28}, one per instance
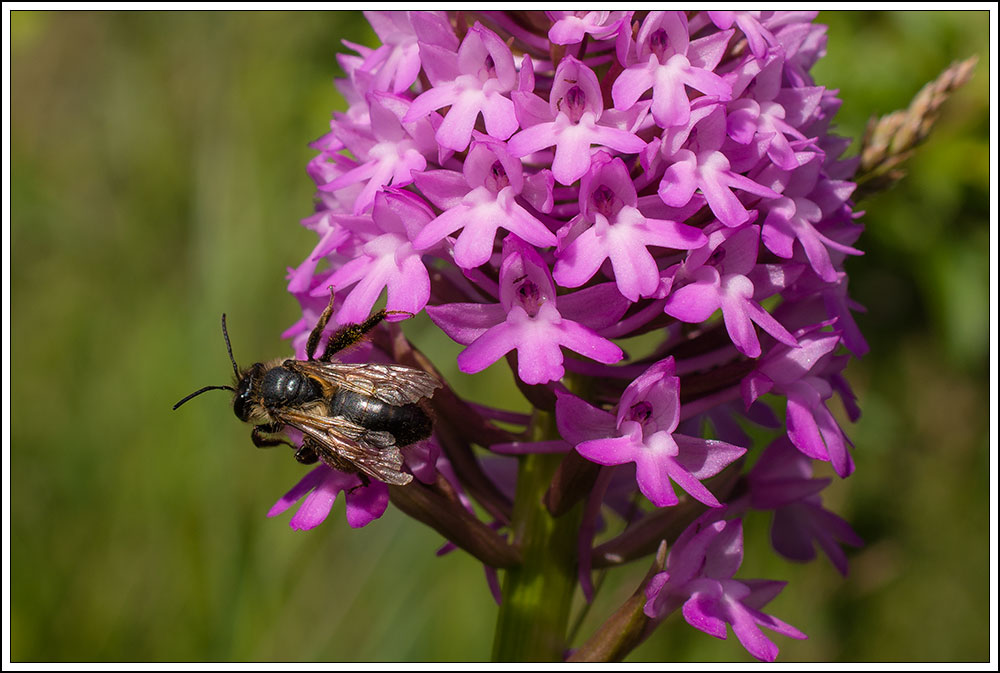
{"x":225,"y":335}
{"x":199,"y":392}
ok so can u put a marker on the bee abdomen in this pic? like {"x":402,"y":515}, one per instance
{"x":408,"y":423}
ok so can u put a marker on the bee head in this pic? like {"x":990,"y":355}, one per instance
{"x":247,"y":385}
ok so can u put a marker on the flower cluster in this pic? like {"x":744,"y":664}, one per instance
{"x":544,"y":184}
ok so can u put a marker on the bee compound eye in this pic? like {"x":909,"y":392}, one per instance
{"x":241,"y":406}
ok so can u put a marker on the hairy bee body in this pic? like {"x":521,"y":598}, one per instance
{"x":267,"y":387}
{"x":282,"y":386}
{"x":354,"y":417}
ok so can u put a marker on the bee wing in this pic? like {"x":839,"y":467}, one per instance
{"x":340,"y":441}
{"x":392,"y":384}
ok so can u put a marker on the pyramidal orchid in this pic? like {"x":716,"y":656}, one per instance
{"x":545,"y":185}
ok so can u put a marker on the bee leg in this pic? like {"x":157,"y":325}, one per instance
{"x":261,"y":441}
{"x":348,"y":335}
{"x":306,"y":454}
{"x":317,"y":332}
{"x":364,"y":483}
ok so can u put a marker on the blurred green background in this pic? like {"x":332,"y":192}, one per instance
{"x":157,"y":181}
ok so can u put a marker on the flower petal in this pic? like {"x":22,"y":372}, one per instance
{"x":488,"y":347}
{"x":610,"y":450}
{"x":578,"y":421}
{"x":465,"y":323}
{"x":306,"y":484}
{"x":705,"y":458}
{"x":366,"y":504}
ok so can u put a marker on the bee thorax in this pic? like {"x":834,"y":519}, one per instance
{"x":281,"y":386}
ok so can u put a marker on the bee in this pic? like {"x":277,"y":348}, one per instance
{"x":353,"y":417}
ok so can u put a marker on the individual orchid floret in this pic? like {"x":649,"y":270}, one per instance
{"x":666,"y":61}
{"x":389,"y":152}
{"x":571,"y":27}
{"x":695,"y":160}
{"x":320,"y":488}
{"x":332,"y":235}
{"x":395,"y":63}
{"x":750,"y":120}
{"x":473,"y":81}
{"x":610,"y":226}
{"x":798,"y":374}
{"x":810,"y":301}
{"x":642,"y":432}
{"x":570,"y":124}
{"x":770,"y":115}
{"x":710,"y":172}
{"x":386,"y":260}
{"x":480,"y":200}
{"x":783,"y":115}
{"x":799,"y":214}
{"x":354,"y":88}
{"x":698,"y":578}
{"x":782,"y":481}
{"x":758,"y":37}
{"x":530,"y":318}
{"x":722,"y":281}
{"x":802,"y":41}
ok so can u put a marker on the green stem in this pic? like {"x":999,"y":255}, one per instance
{"x":537,"y":594}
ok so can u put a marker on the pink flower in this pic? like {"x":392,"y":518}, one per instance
{"x":390,"y":151}
{"x":571,"y":27}
{"x":472,"y":82}
{"x":480,"y":201}
{"x":570,"y":123}
{"x":799,"y":374}
{"x":665,"y":60}
{"x":642,"y":431}
{"x":698,"y":578}
{"x":531,"y":320}
{"x":386,"y":259}
{"x":725,"y":284}
{"x":610,"y":226}
{"x":782,"y":480}
{"x":320,"y":488}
